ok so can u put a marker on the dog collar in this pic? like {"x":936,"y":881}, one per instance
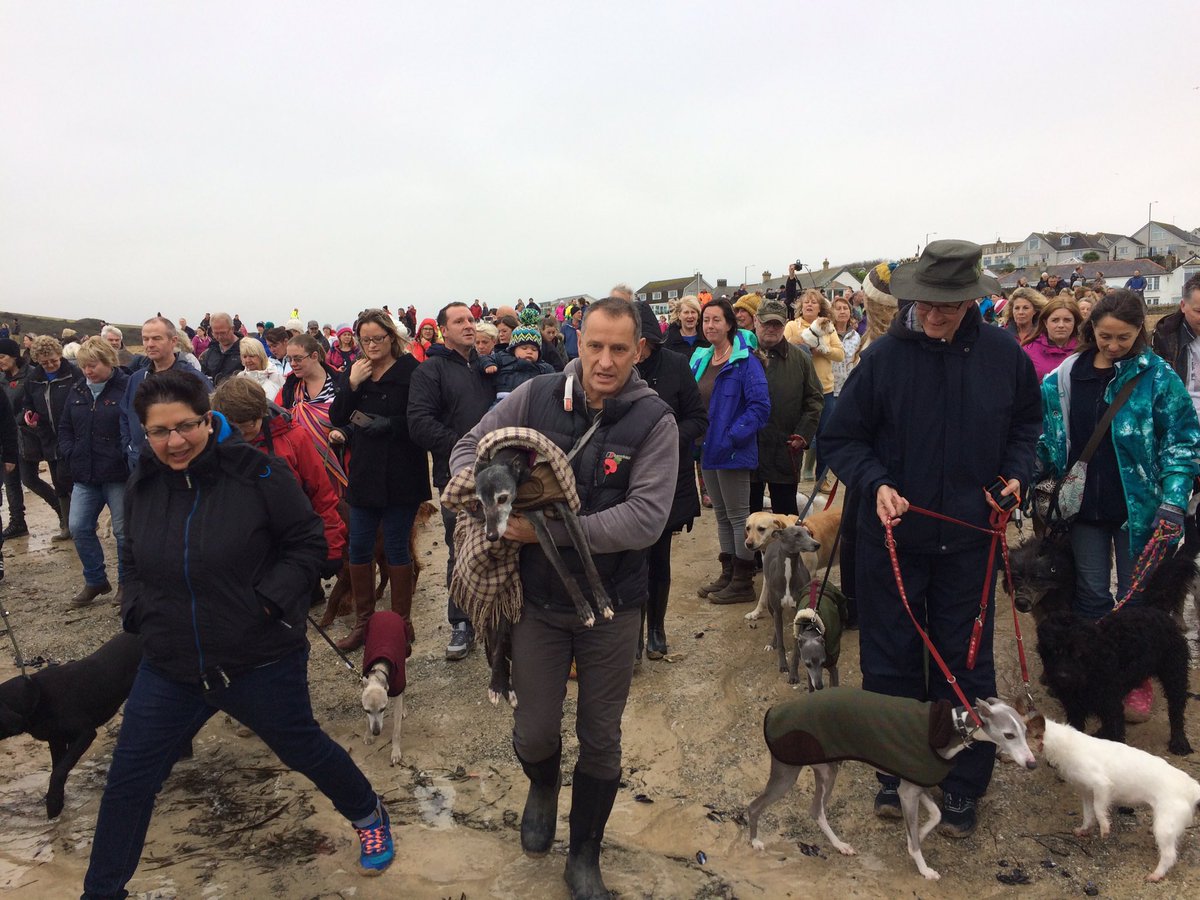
{"x":963,"y":726}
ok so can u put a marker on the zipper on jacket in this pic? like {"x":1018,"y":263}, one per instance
{"x":187,"y":576}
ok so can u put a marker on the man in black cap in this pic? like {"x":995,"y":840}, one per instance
{"x":938,"y":409}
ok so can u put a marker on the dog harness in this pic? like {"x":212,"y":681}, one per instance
{"x":390,"y":637}
{"x":897,"y":735}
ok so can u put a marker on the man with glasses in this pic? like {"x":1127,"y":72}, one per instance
{"x":934,"y":413}
{"x":796,"y":404}
{"x":158,"y":345}
{"x":447,"y":398}
{"x":223,"y":357}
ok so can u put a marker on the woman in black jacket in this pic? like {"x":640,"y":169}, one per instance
{"x":46,"y":388}
{"x":684,"y":334}
{"x":388,"y":474}
{"x":92,"y":437}
{"x":222,"y":550}
{"x":669,"y":374}
{"x":13,"y":373}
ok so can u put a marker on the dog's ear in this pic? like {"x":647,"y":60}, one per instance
{"x":12,"y":723}
{"x":1020,"y":706}
{"x":1035,"y":726}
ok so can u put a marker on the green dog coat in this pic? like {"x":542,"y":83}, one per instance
{"x":894,"y":734}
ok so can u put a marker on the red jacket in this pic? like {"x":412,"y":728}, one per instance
{"x":291,"y":443}
{"x":389,"y":636}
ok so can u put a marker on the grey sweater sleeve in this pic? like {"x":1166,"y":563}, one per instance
{"x":635,"y":522}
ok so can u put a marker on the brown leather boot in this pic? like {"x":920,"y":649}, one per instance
{"x":401,"y":580}
{"x":722,"y":580}
{"x":741,"y":586}
{"x":362,"y":583}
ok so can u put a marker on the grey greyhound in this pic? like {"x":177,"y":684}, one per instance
{"x":785,"y":578}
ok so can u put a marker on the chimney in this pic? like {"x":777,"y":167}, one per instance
{"x":825,"y":263}
{"x":722,"y":282}
{"x":766,"y":276}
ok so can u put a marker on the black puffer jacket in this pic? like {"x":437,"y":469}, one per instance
{"x":449,"y":396}
{"x":673,"y":340}
{"x":91,"y":433}
{"x":386,"y":469}
{"x":47,"y":398}
{"x":671,"y":377}
{"x":1171,"y":340}
{"x":14,"y":388}
{"x":219,"y":558}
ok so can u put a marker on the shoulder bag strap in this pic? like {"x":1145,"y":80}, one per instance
{"x":1109,"y":414}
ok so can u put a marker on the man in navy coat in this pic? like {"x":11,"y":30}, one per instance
{"x":936,"y":410}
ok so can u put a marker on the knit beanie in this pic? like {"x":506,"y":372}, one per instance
{"x":749,"y":303}
{"x":530,"y":317}
{"x":525,"y":334}
{"x":9,"y":347}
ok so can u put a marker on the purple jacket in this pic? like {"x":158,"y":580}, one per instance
{"x":1046,"y":355}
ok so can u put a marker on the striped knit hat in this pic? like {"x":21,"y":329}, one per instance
{"x":525,"y":334}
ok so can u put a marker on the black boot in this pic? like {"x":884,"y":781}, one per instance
{"x":540,"y":819}
{"x":656,"y":611}
{"x":591,"y":802}
{"x":16,"y":528}
{"x":722,"y":580}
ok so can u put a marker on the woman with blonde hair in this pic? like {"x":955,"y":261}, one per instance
{"x":813,"y":328}
{"x":683,"y":334}
{"x":1021,"y":313}
{"x":257,"y":368}
{"x":92,"y":437}
{"x":1056,"y":336}
{"x":46,"y":389}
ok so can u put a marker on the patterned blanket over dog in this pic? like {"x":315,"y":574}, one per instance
{"x":893,"y":734}
{"x":486,"y":583}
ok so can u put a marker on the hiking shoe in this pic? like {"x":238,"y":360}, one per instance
{"x":88,"y":593}
{"x":1139,"y":703}
{"x":15,"y":529}
{"x":376,"y":851}
{"x":887,"y":803}
{"x":462,"y":639}
{"x":958,"y":815}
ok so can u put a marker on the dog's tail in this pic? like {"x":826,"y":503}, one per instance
{"x":1171,"y":582}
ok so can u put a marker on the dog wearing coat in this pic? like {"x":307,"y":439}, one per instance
{"x":64,"y":705}
{"x":1105,"y":773}
{"x":914,"y":740}
{"x":389,"y":641}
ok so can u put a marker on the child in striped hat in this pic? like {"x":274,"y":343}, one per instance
{"x":521,"y":360}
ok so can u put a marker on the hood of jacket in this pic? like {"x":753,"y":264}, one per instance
{"x":702,"y":355}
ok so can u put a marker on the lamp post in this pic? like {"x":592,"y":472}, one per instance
{"x":1149,"y":215}
{"x":745,"y":269}
{"x":927,"y":234}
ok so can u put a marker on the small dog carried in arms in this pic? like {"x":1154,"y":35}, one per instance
{"x":64,"y":705}
{"x":516,"y":470}
{"x":913,"y":740}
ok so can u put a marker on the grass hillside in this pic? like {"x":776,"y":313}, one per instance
{"x":34,"y":324}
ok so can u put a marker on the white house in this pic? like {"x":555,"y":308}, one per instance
{"x":1161,"y":239}
{"x":1056,"y":248}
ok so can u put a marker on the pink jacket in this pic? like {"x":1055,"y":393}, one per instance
{"x":1046,"y":355}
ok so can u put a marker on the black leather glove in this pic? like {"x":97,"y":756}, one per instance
{"x":330,"y":568}
{"x":380,"y":426}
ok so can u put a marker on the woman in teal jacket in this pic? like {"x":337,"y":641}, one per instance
{"x":733,"y":385}
{"x":1141,"y":473}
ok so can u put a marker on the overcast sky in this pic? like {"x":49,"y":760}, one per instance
{"x":257,"y":156}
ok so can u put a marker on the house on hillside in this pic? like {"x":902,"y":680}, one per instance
{"x":829,"y":280}
{"x":673,"y":288}
{"x":996,"y":253}
{"x":1173,"y":282}
{"x":568,"y":300}
{"x":1057,"y":248}
{"x":1161,"y":239}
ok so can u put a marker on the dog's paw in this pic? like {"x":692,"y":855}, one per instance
{"x":769,"y":647}
{"x":397,"y":756}
{"x":792,"y":679}
{"x":931,"y":874}
{"x":588,"y":621}
{"x":1180,"y":746}
{"x":494,"y":697}
{"x":752,"y":615}
{"x":845,"y":849}
{"x":1081,"y":831}
{"x":757,"y":844}
{"x":512,"y":699}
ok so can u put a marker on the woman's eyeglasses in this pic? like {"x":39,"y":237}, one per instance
{"x":372,"y":341}
{"x":158,"y":433}
{"x":296,"y":360}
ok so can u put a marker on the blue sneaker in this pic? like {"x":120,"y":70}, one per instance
{"x":376,"y":850}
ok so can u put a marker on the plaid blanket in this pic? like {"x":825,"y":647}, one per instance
{"x":486,"y":583}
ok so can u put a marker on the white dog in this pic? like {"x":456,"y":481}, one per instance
{"x":1107,"y":772}
{"x":388,"y":645}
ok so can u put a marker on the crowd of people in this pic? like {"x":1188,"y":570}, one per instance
{"x":921,"y":389}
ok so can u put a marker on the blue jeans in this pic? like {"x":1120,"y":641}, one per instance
{"x":86,"y":502}
{"x":397,"y":522}
{"x":161,"y":718}
{"x":1094,"y":545}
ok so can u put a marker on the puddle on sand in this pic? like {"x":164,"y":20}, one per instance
{"x":436,"y":803}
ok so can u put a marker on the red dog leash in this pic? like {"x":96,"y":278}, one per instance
{"x":999,"y":523}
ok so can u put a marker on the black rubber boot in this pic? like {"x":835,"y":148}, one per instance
{"x":540,"y":819}
{"x":591,"y":802}
{"x":726,"y":560}
{"x":656,"y":612}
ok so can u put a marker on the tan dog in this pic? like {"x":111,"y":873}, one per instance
{"x":762,"y":528}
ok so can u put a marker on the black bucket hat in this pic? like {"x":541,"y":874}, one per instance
{"x":947,"y":272}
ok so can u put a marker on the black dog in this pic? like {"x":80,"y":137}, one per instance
{"x":1091,"y":666}
{"x":64,"y":705}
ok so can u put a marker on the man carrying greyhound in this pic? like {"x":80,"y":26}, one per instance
{"x":626,"y":438}
{"x":937,"y":409}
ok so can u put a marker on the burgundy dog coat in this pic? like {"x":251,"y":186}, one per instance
{"x":389,"y":636}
